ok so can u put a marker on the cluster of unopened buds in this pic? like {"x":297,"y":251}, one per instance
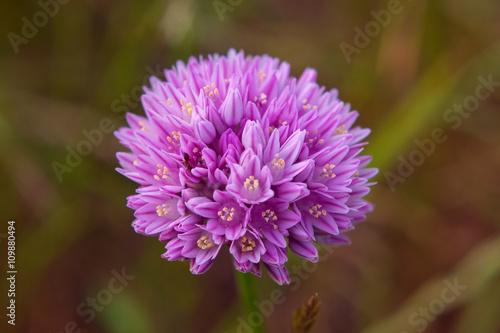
{"x":234,"y":153}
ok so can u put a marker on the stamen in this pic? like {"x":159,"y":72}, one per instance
{"x":141,"y":123}
{"x":188,"y":108}
{"x":162,"y":210}
{"x":247,"y":244}
{"x":176,"y":135}
{"x":262,"y":75}
{"x":310,"y":141}
{"x":280,"y":163}
{"x":203,"y":243}
{"x":226,"y":214}
{"x":269,"y":215}
{"x":162,"y":172}
{"x":340,"y":130}
{"x":262,"y":99}
{"x":316,"y":210}
{"x":251,"y":183}
{"x":328,"y":171}
{"x":307,"y":106}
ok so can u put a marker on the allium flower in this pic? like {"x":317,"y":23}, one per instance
{"x":234,"y":154}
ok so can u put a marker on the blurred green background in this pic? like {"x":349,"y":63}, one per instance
{"x":440,"y":224}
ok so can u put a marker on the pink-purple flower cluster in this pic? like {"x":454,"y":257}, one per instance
{"x":234,"y":153}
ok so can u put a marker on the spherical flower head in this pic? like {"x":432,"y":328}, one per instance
{"x":235,"y":154}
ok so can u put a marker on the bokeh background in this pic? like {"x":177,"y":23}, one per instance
{"x":441,"y":223}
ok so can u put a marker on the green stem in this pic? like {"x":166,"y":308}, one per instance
{"x":247,"y":289}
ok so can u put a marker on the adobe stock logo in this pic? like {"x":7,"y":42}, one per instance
{"x":95,"y":136}
{"x":29,"y":28}
{"x":427,"y":146}
{"x":84,"y":147}
{"x":89,"y":308}
{"x":222,"y":7}
{"x":372,"y":29}
{"x":420,"y":319}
